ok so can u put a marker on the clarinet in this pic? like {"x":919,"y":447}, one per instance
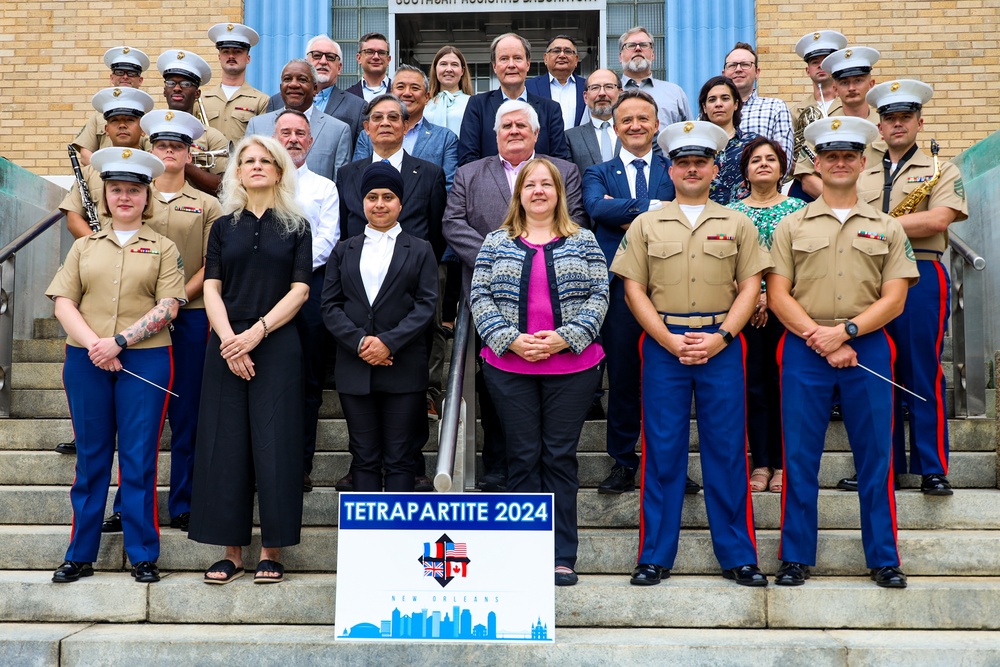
{"x":88,"y":202}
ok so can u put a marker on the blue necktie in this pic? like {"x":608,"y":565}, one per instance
{"x":385,"y":160}
{"x":641,"y":189}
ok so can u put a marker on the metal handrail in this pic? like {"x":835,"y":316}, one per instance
{"x":971,"y":257}
{"x":7,"y":255}
{"x":29,"y":235}
{"x":453,"y":420}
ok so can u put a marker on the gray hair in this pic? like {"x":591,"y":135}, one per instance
{"x":513,"y":106}
{"x":410,"y":68}
{"x":367,"y":112}
{"x":632,"y":31}
{"x":336,"y":47}
{"x":286,"y":209}
{"x":303,"y":61}
{"x":524,"y":43}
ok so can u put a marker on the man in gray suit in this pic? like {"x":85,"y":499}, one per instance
{"x":332,"y":145}
{"x":595,"y":141}
{"x":477,"y":204}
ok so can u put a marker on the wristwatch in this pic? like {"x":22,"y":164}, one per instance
{"x":851,"y":328}
{"x":120,"y":339}
{"x":727,"y":337}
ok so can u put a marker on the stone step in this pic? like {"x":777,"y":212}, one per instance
{"x":31,"y":644}
{"x":596,"y":602}
{"x":602,"y":551}
{"x":970,"y":509}
{"x":51,"y":403}
{"x":967,"y":435}
{"x":19,"y":467}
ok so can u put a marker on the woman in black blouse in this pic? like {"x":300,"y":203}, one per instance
{"x":257,"y":272}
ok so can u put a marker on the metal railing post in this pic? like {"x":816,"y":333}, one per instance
{"x":6,"y":332}
{"x":968,"y":330}
{"x":454,"y":424}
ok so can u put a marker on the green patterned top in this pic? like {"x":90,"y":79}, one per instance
{"x":766,"y":219}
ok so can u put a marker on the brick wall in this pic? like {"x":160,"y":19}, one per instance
{"x":950,"y":44}
{"x":51,"y":63}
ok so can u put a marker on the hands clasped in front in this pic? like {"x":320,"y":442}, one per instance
{"x":829,"y":343}
{"x":104,"y":354}
{"x":538,"y":346}
{"x":694,"y":347}
{"x":375,"y":352}
{"x":236,"y":351}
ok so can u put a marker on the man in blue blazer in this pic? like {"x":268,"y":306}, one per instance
{"x":560,"y":84}
{"x":614,"y":193}
{"x":332,"y":145}
{"x":423,"y":139}
{"x":510,"y":55}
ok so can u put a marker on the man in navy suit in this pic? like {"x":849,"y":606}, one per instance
{"x":614,"y":193}
{"x":560,"y":84}
{"x":423,"y":139}
{"x":373,"y":58}
{"x":510,"y":55}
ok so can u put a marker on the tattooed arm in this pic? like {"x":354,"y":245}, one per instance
{"x":104,"y":352}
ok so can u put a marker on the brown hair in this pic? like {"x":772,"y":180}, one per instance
{"x":464,"y":84}
{"x":516,"y":221}
{"x":147,"y":211}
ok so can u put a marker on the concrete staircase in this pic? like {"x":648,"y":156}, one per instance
{"x":950,"y":547}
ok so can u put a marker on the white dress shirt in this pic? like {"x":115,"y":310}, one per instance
{"x":318,"y":196}
{"x":565,"y":95}
{"x":376,"y":253}
{"x":396,"y":159}
{"x":630,"y":173}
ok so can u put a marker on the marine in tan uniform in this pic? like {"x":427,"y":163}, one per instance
{"x":122,"y":108}
{"x":231,"y":104}
{"x":692,"y":275}
{"x":841,"y":273}
{"x":813,"y":48}
{"x":935,"y":198}
{"x":183,"y":74}
{"x":126,"y":65}
{"x":851,"y":70}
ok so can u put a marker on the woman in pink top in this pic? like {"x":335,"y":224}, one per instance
{"x":539,"y":296}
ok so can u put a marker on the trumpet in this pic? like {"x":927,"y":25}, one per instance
{"x":201,"y":112}
{"x":206,"y":159}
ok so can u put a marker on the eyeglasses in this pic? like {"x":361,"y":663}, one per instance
{"x":606,"y":87}
{"x":183,"y":83}
{"x":632,"y":46}
{"x":557,"y":51}
{"x":391,"y":117}
{"x":368,"y":53}
{"x":732,"y":67}
{"x":125,"y":73}
{"x":320,"y":55}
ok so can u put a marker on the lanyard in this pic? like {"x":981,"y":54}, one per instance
{"x":890,"y":175}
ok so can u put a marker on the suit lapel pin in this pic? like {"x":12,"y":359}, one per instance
{"x":618,"y":171}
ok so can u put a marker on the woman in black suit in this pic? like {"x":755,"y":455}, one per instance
{"x":379,"y":301}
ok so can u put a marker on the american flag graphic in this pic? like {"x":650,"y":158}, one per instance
{"x":454,"y":550}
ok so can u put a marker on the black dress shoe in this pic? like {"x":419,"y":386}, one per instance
{"x":835,"y":414}
{"x":423,"y":484}
{"x":889,"y":576}
{"x":620,"y":480}
{"x":647,"y":574}
{"x":493,"y":481}
{"x":791,"y":574}
{"x":691,"y":487}
{"x":746,"y":575}
{"x":181,"y":521}
{"x":113,"y":524}
{"x":935,"y":485}
{"x":146,"y":572}
{"x":566,"y":578}
{"x":307,"y":483}
{"x":849,"y":483}
{"x":345,"y":483}
{"x":67,"y":447}
{"x":71,"y":571}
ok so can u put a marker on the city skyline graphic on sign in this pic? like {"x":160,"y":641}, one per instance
{"x":457,"y":625}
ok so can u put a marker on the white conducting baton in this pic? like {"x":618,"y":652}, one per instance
{"x":862,"y":366}
{"x":135,"y":375}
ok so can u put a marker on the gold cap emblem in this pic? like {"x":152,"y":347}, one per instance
{"x":835,"y":125}
{"x":688,"y":126}
{"x":169,"y":116}
{"x":849,"y":53}
{"x":126,"y":154}
{"x":180,"y":55}
{"x":117,"y":92}
{"x":230,"y":27}
{"x":895,"y":86}
{"x":125,"y":49}
{"x":816,"y":36}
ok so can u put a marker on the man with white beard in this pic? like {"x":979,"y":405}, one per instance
{"x":636,"y":54}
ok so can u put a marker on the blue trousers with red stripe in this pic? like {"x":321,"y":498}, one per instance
{"x":919,"y":337}
{"x":808,"y":383}
{"x":719,"y":390}
{"x":105,"y":406}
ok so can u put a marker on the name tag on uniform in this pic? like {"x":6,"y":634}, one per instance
{"x":919,"y":179}
{"x":187,"y":209}
{"x":145,"y":251}
{"x":872,"y":235}
{"x":720,"y":237}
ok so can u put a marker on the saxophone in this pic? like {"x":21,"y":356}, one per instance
{"x":912,"y":201}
